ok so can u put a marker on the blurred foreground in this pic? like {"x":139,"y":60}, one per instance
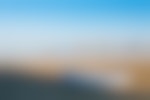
{"x":126,"y":80}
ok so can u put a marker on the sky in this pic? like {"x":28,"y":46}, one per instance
{"x":29,"y":26}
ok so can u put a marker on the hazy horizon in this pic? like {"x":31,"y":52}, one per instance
{"x":62,"y":26}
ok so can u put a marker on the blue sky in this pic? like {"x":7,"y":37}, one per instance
{"x":84,"y":13}
{"x":43,"y":23}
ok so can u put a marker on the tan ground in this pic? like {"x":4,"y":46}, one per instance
{"x":136,"y":70}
